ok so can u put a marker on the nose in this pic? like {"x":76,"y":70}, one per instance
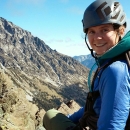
{"x":98,"y":36}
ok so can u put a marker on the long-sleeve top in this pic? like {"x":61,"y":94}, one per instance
{"x":114,"y":102}
{"x":76,"y":115}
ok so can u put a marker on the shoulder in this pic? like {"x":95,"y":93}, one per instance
{"x":117,"y":71}
{"x":119,"y":66}
{"x":115,"y":76}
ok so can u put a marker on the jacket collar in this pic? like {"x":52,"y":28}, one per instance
{"x":121,"y":47}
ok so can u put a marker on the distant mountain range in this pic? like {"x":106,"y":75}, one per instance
{"x":86,"y":60}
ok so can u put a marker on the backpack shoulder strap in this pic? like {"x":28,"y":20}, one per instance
{"x":127,"y":55}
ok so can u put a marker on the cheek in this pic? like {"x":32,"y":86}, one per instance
{"x":110,"y":34}
{"x":112,"y":38}
{"x":90,"y":42}
{"x":112,"y":41}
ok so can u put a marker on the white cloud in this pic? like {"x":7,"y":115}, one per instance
{"x":68,"y":40}
{"x":13,"y":9}
{"x":68,"y":46}
{"x":128,"y":25}
{"x":19,"y":7}
{"x":75,"y":10}
{"x":53,"y":41}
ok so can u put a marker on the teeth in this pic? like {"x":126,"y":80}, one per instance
{"x":100,"y":45}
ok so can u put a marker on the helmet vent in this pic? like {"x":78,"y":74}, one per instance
{"x":122,"y":18}
{"x":115,"y":17}
{"x":116,"y":5}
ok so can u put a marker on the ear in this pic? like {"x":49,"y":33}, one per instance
{"x":121,"y":31}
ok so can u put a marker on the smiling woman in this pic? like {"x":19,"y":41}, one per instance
{"x":105,"y":29}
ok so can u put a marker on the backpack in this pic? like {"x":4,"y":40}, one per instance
{"x":89,"y":119}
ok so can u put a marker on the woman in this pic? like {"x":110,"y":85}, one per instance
{"x":104,"y":24}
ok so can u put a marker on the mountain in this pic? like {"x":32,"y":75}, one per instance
{"x":86,"y":60}
{"x":82,"y":58}
{"x":17,"y":113}
{"x":47,"y":76}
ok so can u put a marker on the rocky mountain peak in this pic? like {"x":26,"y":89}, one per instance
{"x":46,"y":76}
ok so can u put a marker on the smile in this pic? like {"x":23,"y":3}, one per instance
{"x":99,"y":45}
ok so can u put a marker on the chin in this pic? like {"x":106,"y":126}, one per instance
{"x":100,"y":52}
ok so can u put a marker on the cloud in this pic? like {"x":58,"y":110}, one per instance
{"x":13,"y":8}
{"x":68,"y":40}
{"x":68,"y":46}
{"x":75,"y":10}
{"x":65,"y":41}
{"x":19,"y":7}
{"x":51,"y":41}
{"x":82,"y":44}
{"x":128,"y":25}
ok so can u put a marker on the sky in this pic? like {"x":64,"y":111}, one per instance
{"x":56,"y":22}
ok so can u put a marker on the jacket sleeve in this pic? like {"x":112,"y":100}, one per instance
{"x":76,"y":115}
{"x":114,"y":87}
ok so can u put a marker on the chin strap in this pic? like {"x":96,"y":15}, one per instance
{"x":91,"y":50}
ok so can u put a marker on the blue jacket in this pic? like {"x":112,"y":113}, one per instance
{"x":77,"y":115}
{"x":113,"y":105}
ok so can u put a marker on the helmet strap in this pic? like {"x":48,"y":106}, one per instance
{"x":91,"y":50}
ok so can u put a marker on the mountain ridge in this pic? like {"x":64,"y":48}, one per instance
{"x":34,"y":78}
{"x":86,"y":60}
{"x":31,"y":61}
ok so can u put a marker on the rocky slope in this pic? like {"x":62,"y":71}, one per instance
{"x":17,"y":113}
{"x":46,"y":75}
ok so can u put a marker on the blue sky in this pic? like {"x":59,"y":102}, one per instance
{"x":56,"y":22}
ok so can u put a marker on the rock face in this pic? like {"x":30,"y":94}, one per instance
{"x":35,"y":79}
{"x":69,"y":107}
{"x":17,"y":113}
{"x":47,"y":76}
{"x":22,"y":51}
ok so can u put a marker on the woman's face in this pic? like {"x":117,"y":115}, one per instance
{"x":102,"y":38}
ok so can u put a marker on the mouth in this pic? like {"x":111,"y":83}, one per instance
{"x":100,"y":45}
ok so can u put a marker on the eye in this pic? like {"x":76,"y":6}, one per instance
{"x":90,"y":32}
{"x":105,"y":30}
